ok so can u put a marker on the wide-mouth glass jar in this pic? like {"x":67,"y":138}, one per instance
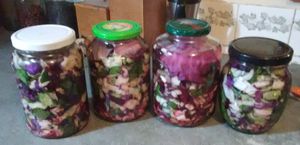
{"x":119,"y":61}
{"x":50,"y":77}
{"x":186,"y":66}
{"x":256,"y":83}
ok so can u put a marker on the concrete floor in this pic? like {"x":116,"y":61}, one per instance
{"x":145,"y":131}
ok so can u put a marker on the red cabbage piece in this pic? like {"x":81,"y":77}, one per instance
{"x":131,"y":49}
{"x":33,"y":68}
{"x":190,"y":67}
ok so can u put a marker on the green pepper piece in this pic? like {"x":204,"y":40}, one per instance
{"x":171,"y":104}
{"x":136,"y":70}
{"x":114,"y":70}
{"x":44,"y":77}
{"x":272,"y":95}
{"x":66,"y":84}
{"x":244,"y":108}
{"x":69,"y":127}
{"x":211,"y":75}
{"x":196,"y":92}
{"x":45,"y":99}
{"x":157,"y":91}
{"x":115,"y":112}
{"x":40,"y":113}
{"x":22,"y":75}
{"x":258,"y":71}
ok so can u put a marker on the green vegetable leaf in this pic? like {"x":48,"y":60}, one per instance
{"x":136,"y":70}
{"x":46,"y":99}
{"x":44,"y":77}
{"x":237,"y":93}
{"x":22,"y":75}
{"x":171,"y":104}
{"x":210,"y":78}
{"x":157,"y":91}
{"x":196,"y":92}
{"x":258,"y":71}
{"x":69,"y":128}
{"x":115,"y":112}
{"x":40,"y":113}
{"x":114,"y":70}
{"x":70,"y":88}
{"x":66,"y":84}
{"x":244,"y":108}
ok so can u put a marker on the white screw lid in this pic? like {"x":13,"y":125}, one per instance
{"x":43,"y":38}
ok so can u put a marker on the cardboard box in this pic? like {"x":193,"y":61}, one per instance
{"x":151,"y":14}
{"x":89,"y":15}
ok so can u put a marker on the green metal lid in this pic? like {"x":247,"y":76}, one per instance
{"x":117,"y":30}
{"x":188,"y":27}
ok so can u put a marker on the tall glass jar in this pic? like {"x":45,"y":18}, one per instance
{"x":256,"y":83}
{"x":119,"y":61}
{"x":186,"y":68}
{"x":62,"y":12}
{"x":51,"y":81}
{"x":30,"y":12}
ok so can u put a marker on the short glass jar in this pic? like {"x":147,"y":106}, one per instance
{"x":50,"y":77}
{"x":119,"y":61}
{"x":256,"y":83}
{"x":186,"y":66}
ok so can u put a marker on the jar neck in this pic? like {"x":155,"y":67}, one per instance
{"x":187,"y":39}
{"x":32,"y":54}
{"x":234,"y":61}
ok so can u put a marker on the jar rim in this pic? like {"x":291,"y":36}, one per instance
{"x":185,"y":1}
{"x":43,"y":38}
{"x":261,"y":51}
{"x":188,"y":27}
{"x":116,"y":30}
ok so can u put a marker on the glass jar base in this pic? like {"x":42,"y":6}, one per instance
{"x":167,"y":121}
{"x":247,"y":131}
{"x":37,"y":134}
{"x":118,"y":121}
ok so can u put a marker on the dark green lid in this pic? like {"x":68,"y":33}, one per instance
{"x":117,"y":30}
{"x":188,"y":27}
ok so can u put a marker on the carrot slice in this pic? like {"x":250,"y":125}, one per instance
{"x":296,"y":91}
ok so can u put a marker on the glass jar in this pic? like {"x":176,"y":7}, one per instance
{"x":186,"y":68}
{"x":256,"y":84}
{"x":9,"y":16}
{"x":50,"y":77}
{"x":119,"y":61}
{"x":30,"y":12}
{"x":62,"y":12}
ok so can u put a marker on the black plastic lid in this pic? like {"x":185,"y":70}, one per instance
{"x":261,"y":51}
{"x":185,"y":1}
